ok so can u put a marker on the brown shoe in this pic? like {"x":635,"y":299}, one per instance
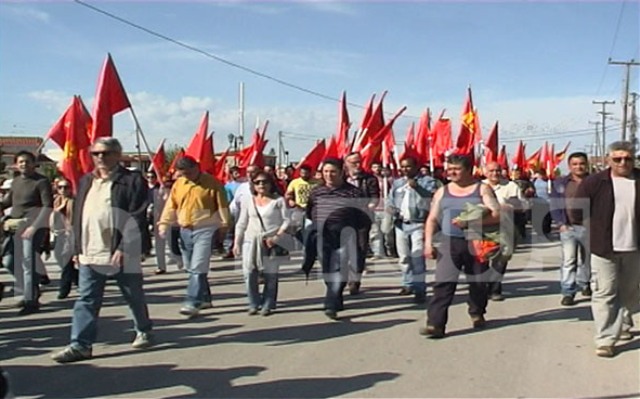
{"x":405,"y":291}
{"x":478,"y":321}
{"x":605,"y":351}
{"x":432,"y":332}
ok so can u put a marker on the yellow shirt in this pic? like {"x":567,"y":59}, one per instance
{"x":301,"y":190}
{"x":196,"y":204}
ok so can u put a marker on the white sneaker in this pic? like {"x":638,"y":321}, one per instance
{"x":143,"y":340}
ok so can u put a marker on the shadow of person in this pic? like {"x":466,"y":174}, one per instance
{"x":85,"y":380}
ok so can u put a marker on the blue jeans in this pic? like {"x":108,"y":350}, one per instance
{"x":410,"y":246}
{"x":196,"y":254}
{"x":575,"y":272}
{"x":22,"y":264}
{"x":269,"y":297}
{"x":84,"y":325}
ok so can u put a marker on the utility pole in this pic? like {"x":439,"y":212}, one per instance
{"x":625,"y":96}
{"x":604,"y":114}
{"x":633,"y":123}
{"x":596,"y":148}
{"x":279,"y":157}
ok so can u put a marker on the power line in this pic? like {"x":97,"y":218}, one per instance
{"x":613,"y":45}
{"x":221,"y":59}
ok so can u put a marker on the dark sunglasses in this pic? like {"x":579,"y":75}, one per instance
{"x":103,"y":153}
{"x":63,"y":186}
{"x":620,"y":159}
{"x":259,"y":182}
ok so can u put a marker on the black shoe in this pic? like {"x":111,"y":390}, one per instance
{"x":29,"y":309}
{"x":228,"y":255}
{"x":497,"y":297}
{"x":586,"y":292}
{"x":405,"y":291}
{"x":567,"y":300}
{"x":330,"y":313}
{"x":354,"y":288}
{"x":419,"y":299}
{"x":63,"y":294}
{"x":1,"y":291}
{"x":432,"y":332}
{"x":478,"y":321}
{"x":44,"y":279}
{"x":159,"y":271}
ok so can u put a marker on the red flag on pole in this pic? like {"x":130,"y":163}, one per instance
{"x":469,"y":134}
{"x":562,"y":154}
{"x":442,"y":141}
{"x":111,"y":98}
{"x":342,"y":135}
{"x":159,"y":160}
{"x":519,"y":160}
{"x":502,"y":158}
{"x":208,"y":160}
{"x":71,"y":133}
{"x":371,"y":127}
{"x":172,"y":168}
{"x":221,"y":170}
{"x":332,"y":150}
{"x":197,"y":144}
{"x":491,"y":145}
{"x":313,"y":159}
{"x":423,"y":136}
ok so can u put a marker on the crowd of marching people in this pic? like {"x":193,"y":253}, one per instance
{"x":341,"y":216}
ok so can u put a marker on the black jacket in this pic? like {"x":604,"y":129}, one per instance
{"x":598,"y":190}
{"x":129,"y":198}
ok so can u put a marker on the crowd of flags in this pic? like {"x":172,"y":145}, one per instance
{"x":430,"y":142}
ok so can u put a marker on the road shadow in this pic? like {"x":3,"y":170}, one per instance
{"x":316,"y":332}
{"x":83,"y":380}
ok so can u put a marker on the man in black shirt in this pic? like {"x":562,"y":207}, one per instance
{"x":336,"y":208}
{"x":31,"y":203}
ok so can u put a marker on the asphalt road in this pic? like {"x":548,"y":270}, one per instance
{"x":531,"y":347}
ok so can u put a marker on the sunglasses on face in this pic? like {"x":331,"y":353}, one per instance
{"x":103,"y":153}
{"x":620,"y":159}
{"x":62,"y":187}
{"x":260,"y":182}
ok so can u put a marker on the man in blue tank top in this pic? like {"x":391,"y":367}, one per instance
{"x":453,"y":254}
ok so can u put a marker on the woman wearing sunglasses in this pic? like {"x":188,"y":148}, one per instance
{"x":260,"y":233}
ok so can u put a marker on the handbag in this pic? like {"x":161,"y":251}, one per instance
{"x":276,"y":250}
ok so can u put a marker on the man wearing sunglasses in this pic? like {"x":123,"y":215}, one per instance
{"x":108,"y":215}
{"x":198,"y":203}
{"x":611,"y":213}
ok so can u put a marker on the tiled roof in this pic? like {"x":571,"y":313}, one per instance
{"x":20,"y":141}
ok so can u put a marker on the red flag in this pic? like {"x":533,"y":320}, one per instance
{"x":491,"y":145}
{"x":442,"y":141}
{"x":208,"y":161}
{"x":159,"y":160}
{"x":388,"y":151}
{"x":111,"y":98}
{"x":559,"y":156}
{"x":313,"y":159}
{"x":172,"y":168}
{"x":409,"y":145}
{"x":534,"y":160}
{"x":372,"y":126}
{"x":197,"y":145}
{"x":423,"y":137}
{"x":409,"y":141}
{"x":519,"y":160}
{"x":502,"y":158}
{"x":332,"y":150}
{"x":469,"y":132}
{"x":374,"y":143}
{"x":71,"y":133}
{"x":342,"y":135}
{"x":221,"y":170}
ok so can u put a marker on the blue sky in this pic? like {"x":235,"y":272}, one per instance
{"x":533,"y":66}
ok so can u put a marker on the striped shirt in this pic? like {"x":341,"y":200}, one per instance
{"x":337,"y":207}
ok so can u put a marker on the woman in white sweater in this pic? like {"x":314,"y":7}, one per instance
{"x":261,"y":227}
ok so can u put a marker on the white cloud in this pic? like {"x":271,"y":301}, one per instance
{"x":52,"y":99}
{"x":26,"y":13}
{"x":331,"y":6}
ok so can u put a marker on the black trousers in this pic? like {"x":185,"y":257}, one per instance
{"x":453,"y":257}
{"x":498,"y":268}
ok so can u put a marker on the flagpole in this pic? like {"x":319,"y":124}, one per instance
{"x":41,"y":146}
{"x":385,"y":184}
{"x":431,"y":168}
{"x":140,"y":134}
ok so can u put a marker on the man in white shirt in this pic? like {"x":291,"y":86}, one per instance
{"x":611,"y":214}
{"x":511,"y":200}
